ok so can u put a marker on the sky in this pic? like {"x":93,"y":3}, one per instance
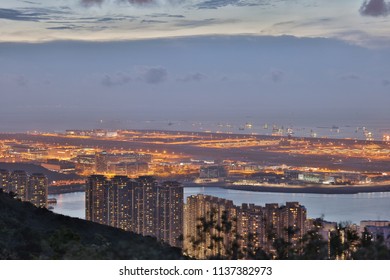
{"x":358,"y":21}
{"x":71,"y":63}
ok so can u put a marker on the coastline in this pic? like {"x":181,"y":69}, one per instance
{"x":312,"y":189}
{"x":315,"y":189}
{"x":52,"y":190}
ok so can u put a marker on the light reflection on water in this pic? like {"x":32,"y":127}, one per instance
{"x":337,"y":207}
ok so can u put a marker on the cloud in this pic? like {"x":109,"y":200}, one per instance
{"x":350,"y":76}
{"x":118,"y":79}
{"x":386,"y":82}
{"x":65,"y":27}
{"x":282,"y":23}
{"x":12,"y":14}
{"x":362,"y":38}
{"x":148,"y":74}
{"x":196,"y":77}
{"x":157,"y":15}
{"x":175,"y":16}
{"x":21,"y":81}
{"x":195,"y":23}
{"x":89,"y":3}
{"x":78,"y":27}
{"x":153,"y":74}
{"x":375,"y":8}
{"x":215,"y":4}
{"x":30,"y":2}
{"x":276,"y":76}
{"x":141,"y":2}
{"x":115,"y":19}
{"x":153,"y":21}
{"x":34,"y":13}
{"x":224,"y":79}
{"x":203,"y":22}
{"x":208,"y":4}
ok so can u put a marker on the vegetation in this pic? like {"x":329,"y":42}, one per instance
{"x":27,"y":232}
{"x":344,"y":243}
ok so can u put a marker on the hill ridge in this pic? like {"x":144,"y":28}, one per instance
{"x":27,"y":232}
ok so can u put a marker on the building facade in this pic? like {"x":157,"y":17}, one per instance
{"x":170,"y":214}
{"x":32,"y":188}
{"x":210,"y":226}
{"x":18,"y":182}
{"x":216,"y":228}
{"x":37,"y":190}
{"x":141,"y":205}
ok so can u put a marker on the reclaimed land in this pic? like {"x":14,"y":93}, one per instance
{"x":331,"y":189}
{"x":66,"y":189}
{"x":249,"y":154}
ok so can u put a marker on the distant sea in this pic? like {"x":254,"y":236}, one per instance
{"x":354,"y":129}
{"x":338,"y":130}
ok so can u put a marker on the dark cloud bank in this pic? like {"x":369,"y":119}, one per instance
{"x":89,"y":3}
{"x":375,"y":8}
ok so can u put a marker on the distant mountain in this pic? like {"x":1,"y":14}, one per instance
{"x":33,"y":168}
{"x":27,"y":232}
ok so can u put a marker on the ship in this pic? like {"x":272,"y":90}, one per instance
{"x":277,"y":131}
{"x":248,"y":125}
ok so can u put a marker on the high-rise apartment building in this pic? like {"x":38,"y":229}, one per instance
{"x":210,"y":226}
{"x":215,"y":171}
{"x":37,"y":190}
{"x":140,"y":205}
{"x":96,"y":194}
{"x":293,"y":217}
{"x":120,"y":193}
{"x":215,"y":227}
{"x":101,"y":162}
{"x":32,"y":188}
{"x":145,"y":206}
{"x":18,"y":184}
{"x":4,"y":178}
{"x":169,"y":223}
{"x":251,"y":228}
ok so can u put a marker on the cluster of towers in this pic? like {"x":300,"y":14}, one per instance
{"x":139,"y":205}
{"x":32,"y":188}
{"x":204,"y":227}
{"x":220,"y":228}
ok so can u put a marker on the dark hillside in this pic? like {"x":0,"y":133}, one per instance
{"x":27,"y":232}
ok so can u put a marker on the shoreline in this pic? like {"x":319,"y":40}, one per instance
{"x":312,"y":189}
{"x":272,"y":188}
{"x":53,"y":190}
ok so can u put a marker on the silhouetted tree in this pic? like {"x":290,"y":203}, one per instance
{"x":368,"y":249}
{"x":343,"y":241}
{"x":282,"y":249}
{"x":313,"y":246}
